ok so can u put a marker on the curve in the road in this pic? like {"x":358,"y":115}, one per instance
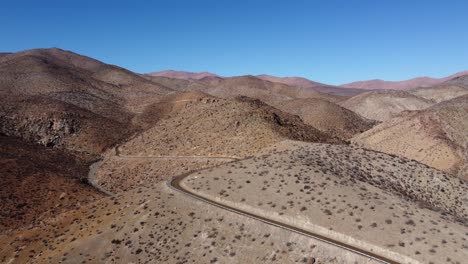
{"x":95,"y":166}
{"x":175,"y":184}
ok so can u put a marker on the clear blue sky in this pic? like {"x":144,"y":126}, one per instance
{"x":328,"y":40}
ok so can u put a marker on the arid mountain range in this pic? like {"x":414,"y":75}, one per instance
{"x":353,"y":88}
{"x":184,"y":75}
{"x":402,"y":85}
{"x":101,"y":164}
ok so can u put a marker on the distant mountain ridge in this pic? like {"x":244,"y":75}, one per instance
{"x":293,"y":81}
{"x":378,"y":84}
{"x":184,"y":75}
{"x":357,"y":87}
{"x":302,"y":82}
{"x":299,"y":82}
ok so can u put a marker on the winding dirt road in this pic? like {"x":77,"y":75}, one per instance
{"x":95,"y":166}
{"x":227,"y":158}
{"x":175,"y":185}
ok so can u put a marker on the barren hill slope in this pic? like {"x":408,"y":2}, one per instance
{"x":197,"y":134}
{"x":436,"y":136}
{"x":68,"y":76}
{"x":460,"y":80}
{"x":60,"y":98}
{"x":54,"y":123}
{"x":221,"y":127}
{"x":24,"y":74}
{"x":172,"y":103}
{"x":382,"y":105}
{"x":38,"y":182}
{"x":328,"y":117}
{"x":264,"y":90}
{"x":107,"y":73}
{"x":440,"y":93}
{"x":251,"y":86}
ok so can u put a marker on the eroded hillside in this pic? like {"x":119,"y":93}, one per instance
{"x":38,"y":183}
{"x":436,"y":136}
{"x":53,"y":123}
{"x":328,"y":117}
{"x":201,"y":132}
{"x":385,"y":104}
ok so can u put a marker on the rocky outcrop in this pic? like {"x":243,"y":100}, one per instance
{"x":49,"y":131}
{"x":53,"y":123}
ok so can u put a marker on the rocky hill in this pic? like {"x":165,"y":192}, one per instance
{"x":263,"y":87}
{"x":170,"y":104}
{"x":440,"y":93}
{"x":53,"y":123}
{"x":274,"y":148}
{"x":264,"y":90}
{"x":215,"y":126}
{"x":291,"y":81}
{"x":385,"y":104}
{"x":436,"y":136}
{"x":328,"y":117}
{"x":460,"y":80}
{"x":75,"y":79}
{"x":62,"y":99}
{"x":192,"y":132}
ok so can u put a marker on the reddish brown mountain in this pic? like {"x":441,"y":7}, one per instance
{"x":211,"y":79}
{"x":264,"y":90}
{"x":293,"y":81}
{"x":75,"y":79}
{"x":59,"y":98}
{"x":184,"y":75}
{"x":179,"y":84}
{"x":327,"y":117}
{"x":308,"y":84}
{"x":401,"y":85}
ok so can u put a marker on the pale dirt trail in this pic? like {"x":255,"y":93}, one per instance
{"x":95,"y":166}
{"x":174,"y":184}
